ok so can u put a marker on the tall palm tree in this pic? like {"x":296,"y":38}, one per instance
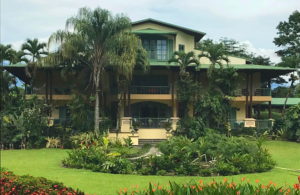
{"x":19,"y":56}
{"x":185,"y":86}
{"x":184,"y":60}
{"x":216,"y":53}
{"x":6,"y":53}
{"x":35,"y":49}
{"x":127,"y":53}
{"x":87,"y":39}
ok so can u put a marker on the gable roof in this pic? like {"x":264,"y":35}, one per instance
{"x":197,"y":34}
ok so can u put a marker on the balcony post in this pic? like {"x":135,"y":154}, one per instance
{"x":247,"y":95}
{"x":251,"y":94}
{"x":51,"y":88}
{"x":270,"y":110}
{"x":172,"y":91}
{"x":129,"y":103}
{"x":125,"y":114}
{"x":47,"y":88}
{"x":258,"y":112}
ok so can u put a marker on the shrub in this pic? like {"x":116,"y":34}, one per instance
{"x":27,"y":184}
{"x":161,"y":172}
{"x":205,"y":172}
{"x":293,"y":122}
{"x":230,"y":188}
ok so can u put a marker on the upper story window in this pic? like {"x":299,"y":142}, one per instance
{"x":156,"y":49}
{"x":181,"y":47}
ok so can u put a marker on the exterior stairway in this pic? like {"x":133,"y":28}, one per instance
{"x":149,"y":141}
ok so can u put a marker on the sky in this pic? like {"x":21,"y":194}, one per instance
{"x":248,"y":21}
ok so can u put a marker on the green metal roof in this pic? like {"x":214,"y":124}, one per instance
{"x":152,"y":31}
{"x":280,"y":101}
{"x":197,"y":34}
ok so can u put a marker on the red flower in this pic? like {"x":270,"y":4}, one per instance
{"x":82,"y":142}
{"x":180,"y":151}
{"x":299,"y":178}
{"x":296,"y":186}
{"x":175,"y":160}
{"x":55,"y":186}
{"x":219,"y":154}
{"x":152,"y":163}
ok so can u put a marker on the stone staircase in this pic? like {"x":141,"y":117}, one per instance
{"x":149,"y":141}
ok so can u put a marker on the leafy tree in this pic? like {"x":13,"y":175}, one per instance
{"x":289,"y":41}
{"x":262,"y":60}
{"x":292,"y":120}
{"x":280,"y":92}
{"x":6,"y":53}
{"x":297,"y":91}
{"x":288,"y":36}
{"x":292,"y":62}
{"x":234,"y":48}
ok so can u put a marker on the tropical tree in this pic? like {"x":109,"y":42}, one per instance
{"x":127,"y":53}
{"x":19,"y":56}
{"x":35,"y":49}
{"x":216,"y":53}
{"x":87,"y":41}
{"x":186,"y":87}
{"x":289,"y":41}
{"x":184,"y":60}
{"x":6,"y":53}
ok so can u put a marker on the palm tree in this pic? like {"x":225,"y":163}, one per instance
{"x":87,"y":40}
{"x":127,"y":53}
{"x":184,"y":60}
{"x":19,"y":57}
{"x":6,"y":53}
{"x":35,"y":49}
{"x":216,"y":53}
{"x":185,"y":86}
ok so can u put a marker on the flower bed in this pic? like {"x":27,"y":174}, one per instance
{"x":27,"y":184}
{"x":181,"y":156}
{"x":226,"y":187}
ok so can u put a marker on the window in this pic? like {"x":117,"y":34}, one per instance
{"x":156,"y":49}
{"x":181,"y":47}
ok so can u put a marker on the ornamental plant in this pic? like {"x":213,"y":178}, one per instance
{"x":27,"y":184}
{"x":216,"y":188}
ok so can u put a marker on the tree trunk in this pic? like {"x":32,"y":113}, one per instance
{"x":96,"y":114}
{"x":287,"y":96}
{"x":118,"y":114}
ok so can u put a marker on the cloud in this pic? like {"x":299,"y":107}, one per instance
{"x":263,"y":52}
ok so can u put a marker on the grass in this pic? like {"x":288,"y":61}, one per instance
{"x":46,"y":163}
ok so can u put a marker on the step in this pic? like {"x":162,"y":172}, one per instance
{"x":149,"y":141}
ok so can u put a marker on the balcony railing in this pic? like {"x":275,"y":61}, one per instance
{"x":150,"y":89}
{"x":257,"y":92}
{"x":263,"y":124}
{"x":155,"y":123}
{"x":235,"y":124}
{"x":145,"y":90}
{"x":259,"y":124}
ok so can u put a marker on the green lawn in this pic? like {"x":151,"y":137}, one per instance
{"x":46,"y":163}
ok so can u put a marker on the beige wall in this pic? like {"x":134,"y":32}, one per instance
{"x":152,"y":134}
